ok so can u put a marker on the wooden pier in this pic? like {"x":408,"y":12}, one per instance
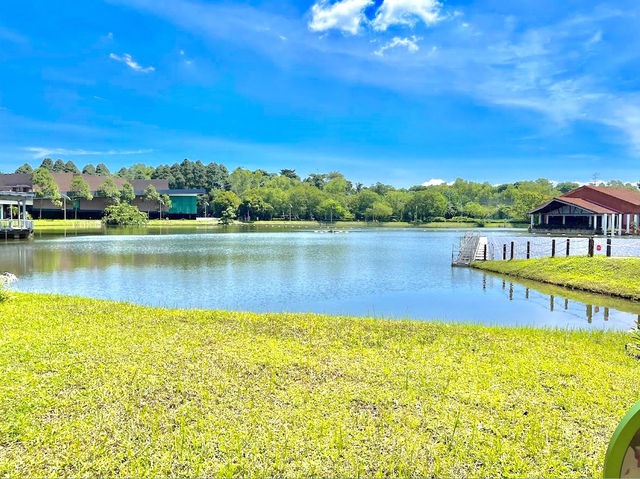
{"x":14,"y":224}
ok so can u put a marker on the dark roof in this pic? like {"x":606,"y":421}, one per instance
{"x":63,"y":180}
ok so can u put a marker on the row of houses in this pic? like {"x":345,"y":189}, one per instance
{"x":183,"y":202}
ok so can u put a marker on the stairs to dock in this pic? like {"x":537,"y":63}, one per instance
{"x":471,"y":249}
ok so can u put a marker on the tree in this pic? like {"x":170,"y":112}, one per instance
{"x":164,"y":201}
{"x":398,"y":200}
{"x":291,"y":174}
{"x":25,"y":169}
{"x":70,"y":167}
{"x":128,"y":194}
{"x":89,"y":170}
{"x":46,"y":187}
{"x":102,"y":170}
{"x":227,"y":216}
{"x":109,"y":190}
{"x":331,"y":210}
{"x":79,"y":191}
{"x":254,"y":204}
{"x":566,"y":186}
{"x":225,"y":200}
{"x":47,"y":163}
{"x":380,"y":211}
{"x":475,"y":210}
{"x":151,"y":194}
{"x":124,"y":215}
{"x":364,"y":201}
{"x":58,"y":166}
{"x":427,"y":204}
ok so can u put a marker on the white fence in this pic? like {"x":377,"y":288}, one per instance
{"x":523,"y":247}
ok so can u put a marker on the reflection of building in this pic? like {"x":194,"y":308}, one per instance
{"x":183,"y":202}
{"x":589,"y":209}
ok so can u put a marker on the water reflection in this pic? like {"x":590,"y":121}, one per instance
{"x":579,"y":304}
{"x":386,"y":272}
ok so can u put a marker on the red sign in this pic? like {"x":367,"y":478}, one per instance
{"x":599,"y":248}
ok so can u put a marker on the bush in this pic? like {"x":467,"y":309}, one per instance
{"x":439,"y":219}
{"x":124,"y":214}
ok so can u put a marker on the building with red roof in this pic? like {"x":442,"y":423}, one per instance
{"x":589,"y":209}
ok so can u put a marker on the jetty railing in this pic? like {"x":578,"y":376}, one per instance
{"x":16,"y":224}
{"x":530,"y":247}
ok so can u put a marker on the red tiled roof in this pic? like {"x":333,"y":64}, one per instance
{"x":630,"y":196}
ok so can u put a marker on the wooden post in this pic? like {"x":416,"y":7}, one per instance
{"x":512,"y":250}
{"x":504,"y":251}
{"x":553,"y":248}
{"x":568,"y":241}
{"x":484,"y":254}
{"x":608,"y":246}
{"x":591,"y":247}
{"x":528,"y":249}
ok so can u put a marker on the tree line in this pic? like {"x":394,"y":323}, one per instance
{"x":258,"y":194}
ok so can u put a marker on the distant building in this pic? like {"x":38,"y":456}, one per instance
{"x":183,"y":202}
{"x":589,"y":210}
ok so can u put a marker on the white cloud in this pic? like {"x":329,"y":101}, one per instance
{"x":406,"y":12}
{"x":434,"y":182}
{"x":410,"y":43}
{"x":345,"y":15}
{"x":131,"y":63}
{"x":40,"y":152}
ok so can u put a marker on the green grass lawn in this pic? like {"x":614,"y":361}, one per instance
{"x":600,"y":274}
{"x":95,"y":388}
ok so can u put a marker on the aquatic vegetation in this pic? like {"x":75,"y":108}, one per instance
{"x":600,"y":274}
{"x":97,"y":388}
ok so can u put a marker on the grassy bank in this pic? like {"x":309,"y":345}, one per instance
{"x":94,"y":388}
{"x":612,"y":276}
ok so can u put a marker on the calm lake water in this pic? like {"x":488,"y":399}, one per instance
{"x":399,"y":273}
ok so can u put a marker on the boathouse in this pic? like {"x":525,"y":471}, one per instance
{"x":13,"y":214}
{"x":589,"y":210}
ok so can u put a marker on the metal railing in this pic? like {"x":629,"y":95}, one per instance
{"x":519,"y":247}
{"x":16,"y":224}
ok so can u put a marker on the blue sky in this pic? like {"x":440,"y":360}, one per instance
{"x":399,"y":91}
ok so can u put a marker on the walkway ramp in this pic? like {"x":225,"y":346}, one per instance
{"x":471,"y":249}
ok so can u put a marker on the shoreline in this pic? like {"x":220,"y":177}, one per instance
{"x":44,"y":225}
{"x":613,"y":277}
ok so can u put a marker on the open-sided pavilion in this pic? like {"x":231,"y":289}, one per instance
{"x":15,"y":224}
{"x":590,"y":210}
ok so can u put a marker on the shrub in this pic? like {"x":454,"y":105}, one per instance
{"x":124,"y":214}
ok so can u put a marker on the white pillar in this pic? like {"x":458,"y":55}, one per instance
{"x":531,"y":220}
{"x":628,"y":222}
{"x":635,"y":220}
{"x":594,"y":219}
{"x":604,"y":224}
{"x":563,"y":220}
{"x":620,"y":224}
{"x":1,"y":212}
{"x":612,"y":224}
{"x":540,"y":218}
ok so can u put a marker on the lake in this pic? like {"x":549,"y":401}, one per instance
{"x":382,"y":272}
